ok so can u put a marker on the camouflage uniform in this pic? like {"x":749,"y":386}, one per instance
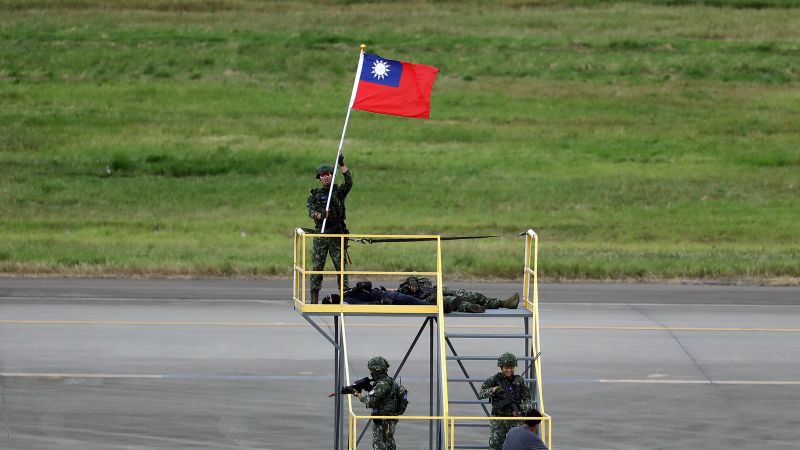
{"x":469,"y":297}
{"x":521,"y":391}
{"x":460,"y":300}
{"x":382,"y":403}
{"x":335,"y":225}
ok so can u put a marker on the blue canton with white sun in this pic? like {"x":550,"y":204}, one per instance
{"x":381,"y":71}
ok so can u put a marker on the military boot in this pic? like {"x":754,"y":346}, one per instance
{"x":511,"y":302}
{"x":314,"y":296}
{"x":475,"y":308}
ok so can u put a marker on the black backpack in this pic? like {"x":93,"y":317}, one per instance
{"x":400,"y":398}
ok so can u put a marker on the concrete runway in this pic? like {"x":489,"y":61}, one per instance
{"x":224,"y":364}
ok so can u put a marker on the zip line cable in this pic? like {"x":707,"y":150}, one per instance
{"x":442,"y":238}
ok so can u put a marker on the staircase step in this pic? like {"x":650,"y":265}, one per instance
{"x":484,"y":424}
{"x":469,"y":402}
{"x":477,"y":380}
{"x":483,"y":358}
{"x":473,"y":424}
{"x":487,"y":336}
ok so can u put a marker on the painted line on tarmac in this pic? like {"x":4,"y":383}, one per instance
{"x":138,"y":299}
{"x":284,"y":378}
{"x":55,"y":375}
{"x":736,"y":382}
{"x":657,"y":328}
{"x":387,"y":325}
{"x":154,"y":323}
{"x":179,"y":376}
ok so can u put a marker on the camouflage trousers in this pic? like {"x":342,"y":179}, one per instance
{"x":468,"y":297}
{"x":497,"y":432}
{"x":383,"y":434}
{"x":322,"y":248}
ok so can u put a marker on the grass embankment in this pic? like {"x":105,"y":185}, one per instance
{"x":165,"y":137}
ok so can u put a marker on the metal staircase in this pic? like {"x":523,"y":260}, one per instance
{"x":457,"y":418}
{"x":472,"y":357}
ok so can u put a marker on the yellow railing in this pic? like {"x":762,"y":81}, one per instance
{"x":301,"y":272}
{"x":545,"y":427}
{"x":352,"y":424}
{"x":530,"y":302}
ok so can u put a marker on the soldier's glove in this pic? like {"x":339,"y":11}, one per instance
{"x":322,"y":215}
{"x":341,"y":160}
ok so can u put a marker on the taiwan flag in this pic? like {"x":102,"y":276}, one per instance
{"x":394,"y":87}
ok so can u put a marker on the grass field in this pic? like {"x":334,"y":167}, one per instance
{"x":641,"y":140}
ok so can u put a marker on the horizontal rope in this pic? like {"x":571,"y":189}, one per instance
{"x":442,"y":238}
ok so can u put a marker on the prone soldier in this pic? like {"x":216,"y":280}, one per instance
{"x":459,"y":300}
{"x":365,"y":294}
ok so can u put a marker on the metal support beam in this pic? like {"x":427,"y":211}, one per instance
{"x":431,"y":389}
{"x":464,"y":371}
{"x":333,"y":342}
{"x":433,"y":363}
{"x":337,"y":385}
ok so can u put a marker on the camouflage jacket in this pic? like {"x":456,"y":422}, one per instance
{"x":380,"y":399}
{"x":336,"y":215}
{"x":521,"y":393}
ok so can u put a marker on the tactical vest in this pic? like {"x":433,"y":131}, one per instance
{"x":388,"y":405}
{"x":508,"y":403}
{"x":318,"y":198}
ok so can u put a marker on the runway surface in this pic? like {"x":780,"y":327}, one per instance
{"x":227,"y":364}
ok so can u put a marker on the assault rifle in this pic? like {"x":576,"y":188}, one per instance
{"x":509,"y":398}
{"x":360,"y":385}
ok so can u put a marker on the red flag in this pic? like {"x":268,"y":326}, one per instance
{"x":393,"y":87}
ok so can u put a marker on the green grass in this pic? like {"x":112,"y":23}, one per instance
{"x":645,"y":140}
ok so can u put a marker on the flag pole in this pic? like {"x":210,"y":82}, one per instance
{"x":344,"y":131}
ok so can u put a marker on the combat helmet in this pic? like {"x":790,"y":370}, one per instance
{"x":377,"y":365}
{"x":324,"y":168}
{"x":418,"y":281}
{"x":507,"y":360}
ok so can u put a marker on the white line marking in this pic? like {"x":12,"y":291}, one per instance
{"x":234,"y":377}
{"x":142,"y":299}
{"x":76,"y":375}
{"x":390,"y":325}
{"x":740,"y":382}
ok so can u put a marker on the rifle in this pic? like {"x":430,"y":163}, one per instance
{"x":360,"y":385}
{"x":510,"y":398}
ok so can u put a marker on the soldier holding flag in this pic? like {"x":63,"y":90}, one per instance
{"x":330,"y":221}
{"x":381,"y":86}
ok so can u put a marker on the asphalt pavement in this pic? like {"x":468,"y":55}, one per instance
{"x":228,"y":364}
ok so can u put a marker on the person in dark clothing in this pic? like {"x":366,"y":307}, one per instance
{"x":364,"y":294}
{"x":524,"y":437}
